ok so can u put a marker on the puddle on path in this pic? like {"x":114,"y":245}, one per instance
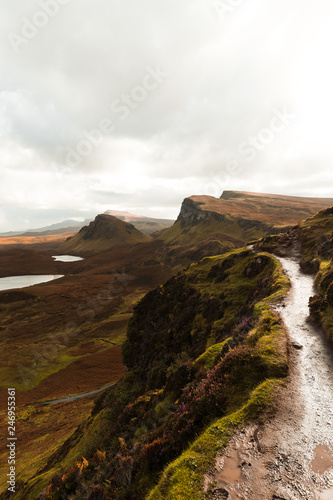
{"x":323,"y":460}
{"x":231,"y":471}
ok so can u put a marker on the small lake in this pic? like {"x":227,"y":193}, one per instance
{"x":66,"y":258}
{"x":12,"y":282}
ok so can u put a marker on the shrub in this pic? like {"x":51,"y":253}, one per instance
{"x":179,"y":378}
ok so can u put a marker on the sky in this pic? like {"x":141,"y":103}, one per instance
{"x":128,"y":105}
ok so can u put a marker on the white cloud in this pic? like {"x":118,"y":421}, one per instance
{"x":225,"y":78}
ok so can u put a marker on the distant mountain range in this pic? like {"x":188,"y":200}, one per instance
{"x":147,"y":225}
{"x":205,"y":225}
{"x":66,"y":226}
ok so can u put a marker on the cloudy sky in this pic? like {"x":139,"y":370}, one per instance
{"x":134,"y":105}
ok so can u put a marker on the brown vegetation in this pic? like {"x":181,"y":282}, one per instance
{"x":52,"y":241}
{"x":273,"y":209}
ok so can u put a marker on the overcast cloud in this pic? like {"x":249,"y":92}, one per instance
{"x":121,"y":104}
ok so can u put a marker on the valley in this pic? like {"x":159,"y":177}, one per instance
{"x":162,"y":316}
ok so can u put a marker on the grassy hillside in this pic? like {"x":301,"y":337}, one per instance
{"x":211,"y":226}
{"x":205,"y":353}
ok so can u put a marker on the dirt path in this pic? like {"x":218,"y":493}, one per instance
{"x":291,"y":456}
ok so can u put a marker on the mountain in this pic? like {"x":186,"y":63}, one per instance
{"x":274,"y":209}
{"x":104,"y":233}
{"x":147,"y":225}
{"x":215,"y":225}
{"x":67,"y":226}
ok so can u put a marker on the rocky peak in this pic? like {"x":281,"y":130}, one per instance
{"x":105,"y":226}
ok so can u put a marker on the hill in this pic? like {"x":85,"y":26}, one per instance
{"x":147,"y":225}
{"x":212,"y":226}
{"x":104,"y":233}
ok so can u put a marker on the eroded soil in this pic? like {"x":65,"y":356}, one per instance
{"x":291,"y":456}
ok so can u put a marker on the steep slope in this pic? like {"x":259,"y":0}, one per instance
{"x":203,"y":216}
{"x":248,"y":211}
{"x":208,"y":225}
{"x":147,"y":225}
{"x":104,"y":233}
{"x":203,"y":351}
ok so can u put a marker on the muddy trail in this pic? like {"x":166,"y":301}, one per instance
{"x":290,"y":457}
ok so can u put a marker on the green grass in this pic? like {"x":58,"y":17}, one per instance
{"x":311,"y":230}
{"x":184,"y":478}
{"x":207,"y":359}
{"x":27,"y":366}
{"x":212,"y":228}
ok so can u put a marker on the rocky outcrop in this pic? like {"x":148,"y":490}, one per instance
{"x":191,"y":213}
{"x":310,"y":266}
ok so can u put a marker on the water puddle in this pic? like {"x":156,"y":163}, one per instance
{"x":231,"y":471}
{"x":323,"y":460}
